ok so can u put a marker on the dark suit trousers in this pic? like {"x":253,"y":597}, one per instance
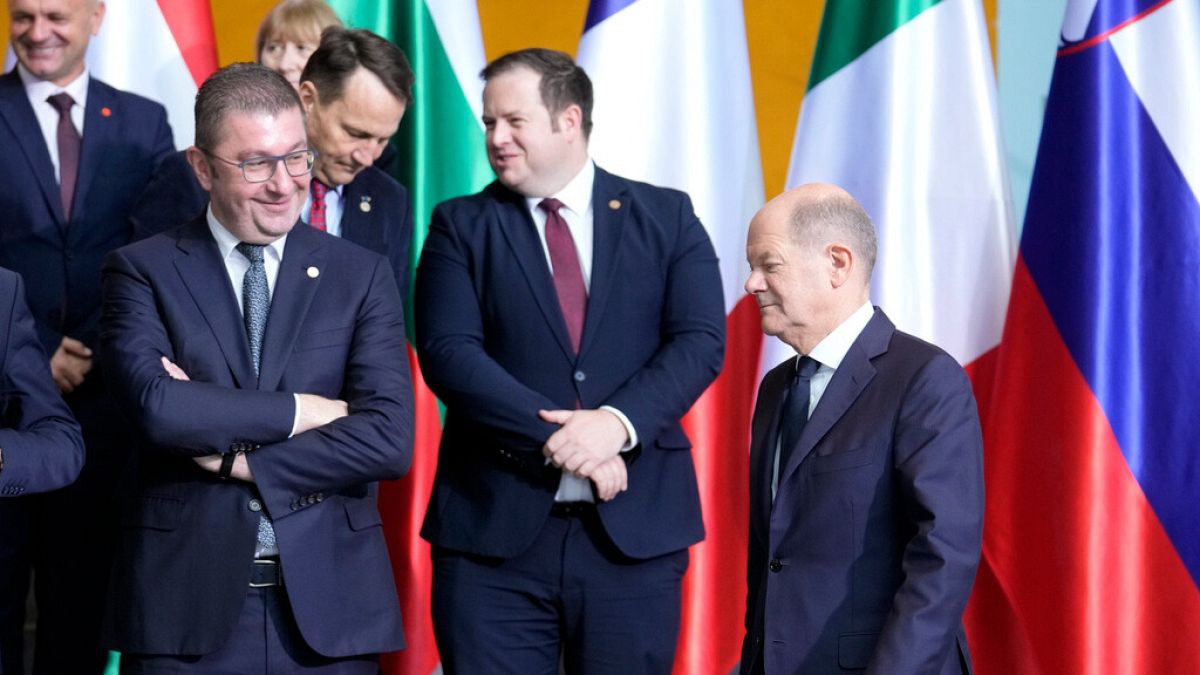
{"x":266,"y":641}
{"x":572,"y":595}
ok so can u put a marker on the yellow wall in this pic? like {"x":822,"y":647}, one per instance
{"x":781,"y":36}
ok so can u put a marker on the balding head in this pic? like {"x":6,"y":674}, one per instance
{"x":811,"y":251}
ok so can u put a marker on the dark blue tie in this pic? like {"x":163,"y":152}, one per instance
{"x":795,"y":409}
{"x":256,"y":304}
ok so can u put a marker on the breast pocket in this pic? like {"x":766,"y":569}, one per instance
{"x":841,"y":461}
{"x":322,"y":339}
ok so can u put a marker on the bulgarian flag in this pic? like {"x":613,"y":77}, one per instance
{"x":1092,"y":541}
{"x":162,"y":50}
{"x":442,"y":155}
{"x":674,"y":107}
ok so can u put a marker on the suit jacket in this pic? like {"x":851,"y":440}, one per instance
{"x":868,"y":553}
{"x":336,"y":329}
{"x":494,"y":348}
{"x":377,"y":213}
{"x":42,"y":447}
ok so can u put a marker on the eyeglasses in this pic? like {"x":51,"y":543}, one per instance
{"x":262,"y":169}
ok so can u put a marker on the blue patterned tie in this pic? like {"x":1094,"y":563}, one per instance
{"x":256,"y":304}
{"x":795,"y":410}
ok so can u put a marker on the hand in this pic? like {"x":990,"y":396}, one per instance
{"x":610,"y":478}
{"x":586,"y":439}
{"x":175,"y":371}
{"x":70,"y":363}
{"x":241,"y":468}
{"x":316,"y":411}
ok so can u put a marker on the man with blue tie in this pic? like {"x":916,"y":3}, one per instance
{"x":77,"y":153}
{"x":264,"y":363}
{"x":866,"y":463}
{"x":568,"y":318}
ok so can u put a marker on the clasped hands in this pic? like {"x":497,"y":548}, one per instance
{"x":312,"y":411}
{"x":588,"y":445}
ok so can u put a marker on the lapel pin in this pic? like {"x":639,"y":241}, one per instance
{"x":365,"y":204}
{"x":614,"y":204}
{"x":313,"y":272}
{"x":106,"y":111}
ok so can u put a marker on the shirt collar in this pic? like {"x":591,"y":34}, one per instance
{"x":831,"y":350}
{"x":227,"y":243}
{"x":39,"y":90}
{"x":575,"y":195}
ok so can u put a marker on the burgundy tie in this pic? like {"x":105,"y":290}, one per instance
{"x":68,"y":151}
{"x":568,"y":277}
{"x":316,"y":215}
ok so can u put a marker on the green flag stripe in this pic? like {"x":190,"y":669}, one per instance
{"x":851,"y":27}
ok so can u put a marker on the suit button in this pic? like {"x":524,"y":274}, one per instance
{"x":775,"y":566}
{"x":580,"y":376}
{"x":255,"y":505}
{"x":320,"y":497}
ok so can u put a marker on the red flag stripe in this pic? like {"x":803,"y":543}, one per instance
{"x":191,"y":23}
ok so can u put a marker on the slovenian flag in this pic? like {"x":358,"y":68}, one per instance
{"x":674,"y":107}
{"x":1092,"y":540}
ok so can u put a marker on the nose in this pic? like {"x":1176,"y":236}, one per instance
{"x":499,"y":134}
{"x":40,"y":30}
{"x":365,"y":153}
{"x":293,"y":61}
{"x":280,"y":180}
{"x":754,"y":282}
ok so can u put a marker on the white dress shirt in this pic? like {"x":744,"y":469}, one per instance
{"x":334,"y":207}
{"x":576,"y":198}
{"x":828,"y":353}
{"x":38,"y":90}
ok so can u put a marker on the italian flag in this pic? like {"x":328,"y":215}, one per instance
{"x":901,"y":112}
{"x":442,"y":156}
{"x":674,"y":107}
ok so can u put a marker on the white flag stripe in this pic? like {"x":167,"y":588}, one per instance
{"x":458,"y":28}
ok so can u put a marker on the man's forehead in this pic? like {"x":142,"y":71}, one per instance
{"x":257,"y":133}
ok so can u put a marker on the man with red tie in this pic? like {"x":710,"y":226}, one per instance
{"x":76,"y":155}
{"x":568,"y":318}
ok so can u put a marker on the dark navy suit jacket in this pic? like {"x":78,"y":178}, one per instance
{"x":868,"y":554}
{"x":377,"y":213}
{"x":494,"y":348}
{"x":336,"y":329}
{"x":40,"y":439}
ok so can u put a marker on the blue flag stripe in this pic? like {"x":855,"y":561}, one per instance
{"x":599,"y":10}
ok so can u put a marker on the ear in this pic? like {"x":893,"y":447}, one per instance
{"x":570,"y":120}
{"x":97,"y":17}
{"x":841,"y":264}
{"x":201,"y":167}
{"x":308,"y":96}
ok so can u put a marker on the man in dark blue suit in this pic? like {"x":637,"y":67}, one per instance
{"x":40,"y":445}
{"x":866,"y":463}
{"x":355,"y":89}
{"x":77,"y":153}
{"x":264,"y":363}
{"x":568,"y":318}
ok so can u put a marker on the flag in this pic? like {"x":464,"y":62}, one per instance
{"x":442,"y":155}
{"x":1092,"y":541}
{"x":901,"y":112}
{"x":161,"y":50}
{"x":674,"y":107}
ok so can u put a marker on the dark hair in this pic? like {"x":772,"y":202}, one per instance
{"x":563,"y":83}
{"x":239,"y":87}
{"x":343,"y":51}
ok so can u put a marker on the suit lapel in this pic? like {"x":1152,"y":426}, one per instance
{"x":519,"y":231}
{"x":18,"y":115}
{"x":294,"y":290}
{"x":99,"y":133}
{"x":852,"y":376}
{"x":609,"y":210}
{"x":207,"y":280}
{"x":764,"y":432}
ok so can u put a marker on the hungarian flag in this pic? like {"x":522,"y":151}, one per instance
{"x":1092,"y":540}
{"x":162,"y":50}
{"x":442,"y":156}
{"x":674,"y":107}
{"x":901,"y":112}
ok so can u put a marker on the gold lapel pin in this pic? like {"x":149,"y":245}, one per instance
{"x":313,"y":272}
{"x":614,"y":204}
{"x":365,"y":204}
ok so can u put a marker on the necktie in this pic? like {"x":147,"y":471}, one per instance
{"x":795,"y":410}
{"x":316,"y":215}
{"x":568,"y":277}
{"x":68,"y":151}
{"x":256,"y":304}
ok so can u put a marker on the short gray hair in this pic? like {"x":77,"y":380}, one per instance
{"x":239,"y":87}
{"x":836,"y":216}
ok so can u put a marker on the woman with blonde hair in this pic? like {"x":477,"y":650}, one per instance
{"x":290,"y":33}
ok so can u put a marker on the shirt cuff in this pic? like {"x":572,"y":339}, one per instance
{"x":633,"y":439}
{"x":295,"y":414}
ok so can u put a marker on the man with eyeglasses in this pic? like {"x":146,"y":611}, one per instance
{"x":264,"y":363}
{"x":354,"y":89}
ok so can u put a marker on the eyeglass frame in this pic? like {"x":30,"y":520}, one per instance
{"x":275,"y":160}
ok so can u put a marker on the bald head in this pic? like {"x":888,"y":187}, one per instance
{"x":811,"y":251}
